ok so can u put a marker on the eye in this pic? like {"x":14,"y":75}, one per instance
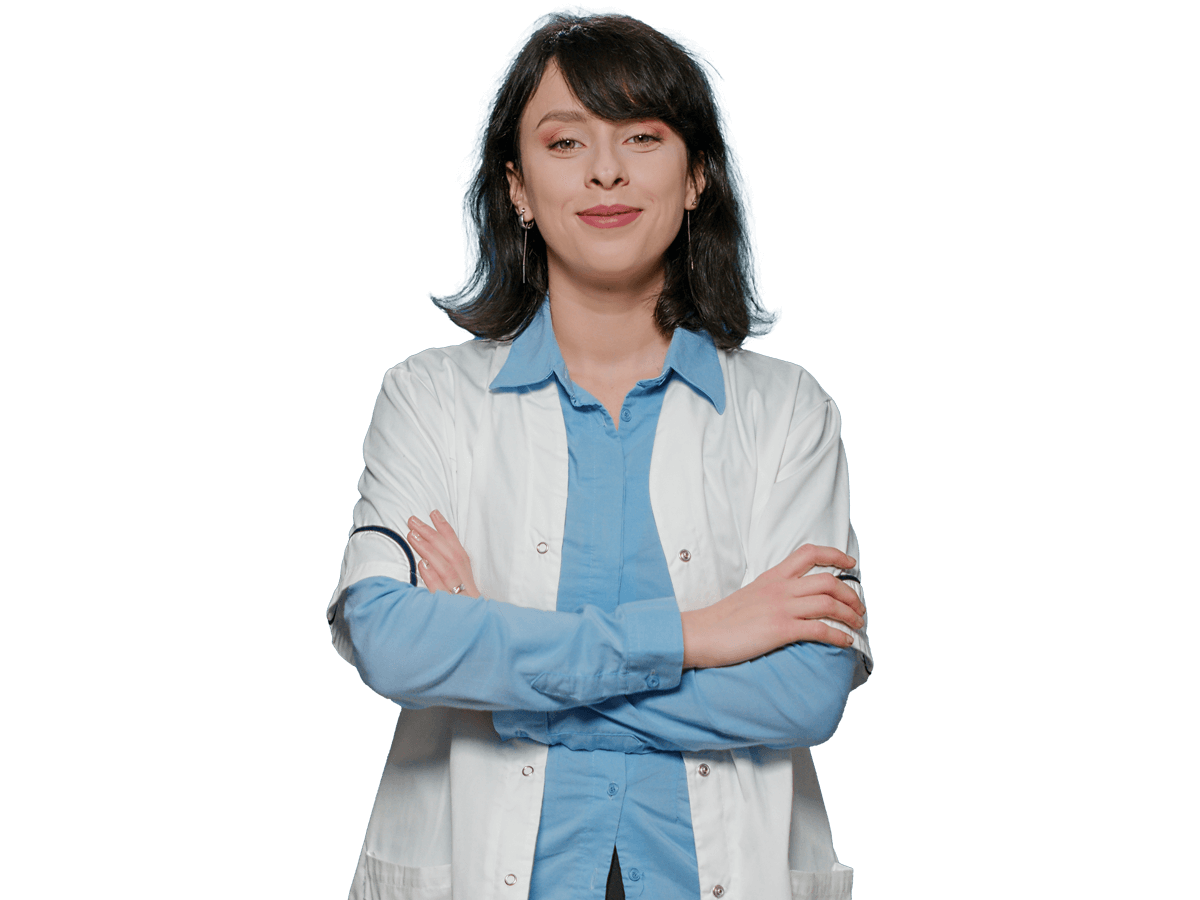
{"x":645,"y":139}
{"x":565,"y":144}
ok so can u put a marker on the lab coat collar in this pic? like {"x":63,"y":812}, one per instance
{"x":535,"y":358}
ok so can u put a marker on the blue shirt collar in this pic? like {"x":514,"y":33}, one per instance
{"x":535,"y":358}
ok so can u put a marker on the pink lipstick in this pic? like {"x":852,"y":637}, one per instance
{"x":609,"y":216}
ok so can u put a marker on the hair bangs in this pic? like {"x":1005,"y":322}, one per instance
{"x":625,"y":79}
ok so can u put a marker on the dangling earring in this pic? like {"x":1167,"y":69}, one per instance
{"x":691,"y":263}
{"x":688,"y":214}
{"x":526,"y":226}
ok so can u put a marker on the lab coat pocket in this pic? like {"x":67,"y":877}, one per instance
{"x":382,"y":880}
{"x":832,"y":885}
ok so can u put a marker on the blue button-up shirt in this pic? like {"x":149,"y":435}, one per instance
{"x":596,"y":798}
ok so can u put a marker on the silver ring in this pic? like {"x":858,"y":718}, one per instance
{"x":459,"y":589}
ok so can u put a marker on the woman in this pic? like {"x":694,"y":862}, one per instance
{"x":622,"y":646}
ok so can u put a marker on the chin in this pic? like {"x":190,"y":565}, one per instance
{"x":631,"y":274}
{"x":606,"y":266}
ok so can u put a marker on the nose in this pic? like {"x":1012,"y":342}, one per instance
{"x":607,"y":169}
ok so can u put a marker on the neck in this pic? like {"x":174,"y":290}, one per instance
{"x":608,"y":329}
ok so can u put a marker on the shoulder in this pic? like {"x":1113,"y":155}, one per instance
{"x":792,"y":418}
{"x":753,"y":380}
{"x":442,"y":371}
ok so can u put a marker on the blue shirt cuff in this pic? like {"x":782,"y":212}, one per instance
{"x":652,"y":634}
{"x":654,"y":662}
{"x":655,"y":655}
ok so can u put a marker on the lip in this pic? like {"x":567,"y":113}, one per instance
{"x":608,"y":210}
{"x":609,"y":216}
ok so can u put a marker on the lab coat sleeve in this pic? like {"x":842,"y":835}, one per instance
{"x":809,"y":503}
{"x":438,"y":649}
{"x":793,"y":697}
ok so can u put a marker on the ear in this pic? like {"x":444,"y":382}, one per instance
{"x":516,"y":187}
{"x":695,"y":184}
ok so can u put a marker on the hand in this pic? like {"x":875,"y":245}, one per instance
{"x":444,"y":563}
{"x":781,"y":606}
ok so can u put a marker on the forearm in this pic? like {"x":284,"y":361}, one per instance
{"x":792,"y":697}
{"x":438,"y":649}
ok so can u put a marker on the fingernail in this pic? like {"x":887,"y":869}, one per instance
{"x":436,"y":513}
{"x":412,"y":521}
{"x":849,"y":640}
{"x":413,"y":536}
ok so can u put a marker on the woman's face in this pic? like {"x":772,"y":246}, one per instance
{"x":608,"y":197}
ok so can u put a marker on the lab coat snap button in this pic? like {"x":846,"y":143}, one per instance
{"x":510,"y":880}
{"x":635,"y":874}
{"x":542,"y":547}
{"x":704,"y":769}
{"x":685,"y":555}
{"x":718,"y":891}
{"x":528,"y":770}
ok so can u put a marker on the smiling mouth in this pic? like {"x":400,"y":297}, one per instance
{"x":609,"y":216}
{"x":608,"y":210}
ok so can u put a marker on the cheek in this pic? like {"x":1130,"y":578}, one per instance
{"x":544,"y":192}
{"x":667,"y":178}
{"x":670,"y":188}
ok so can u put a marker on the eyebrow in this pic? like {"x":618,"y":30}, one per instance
{"x":561,"y":115}
{"x":574,"y":115}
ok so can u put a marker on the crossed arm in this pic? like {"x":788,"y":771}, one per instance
{"x":783,"y":605}
{"x":593,"y":681}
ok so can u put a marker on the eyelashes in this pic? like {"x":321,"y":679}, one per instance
{"x":642,"y":139}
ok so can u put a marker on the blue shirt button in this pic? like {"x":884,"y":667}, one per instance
{"x":652,"y":681}
{"x":626,"y":415}
{"x":635,"y":874}
{"x":612,"y":789}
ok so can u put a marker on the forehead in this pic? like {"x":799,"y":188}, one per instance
{"x":553,"y":97}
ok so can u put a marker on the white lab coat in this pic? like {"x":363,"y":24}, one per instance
{"x":457,"y":811}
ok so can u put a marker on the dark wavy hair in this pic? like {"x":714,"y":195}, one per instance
{"x":619,"y":69}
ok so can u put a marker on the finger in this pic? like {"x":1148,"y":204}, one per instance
{"x":442,"y":537}
{"x":810,"y":555}
{"x":426,"y":542}
{"x":825,"y":583}
{"x":453,"y":549}
{"x":444,"y":528}
{"x":819,"y":555}
{"x":441,"y":577}
{"x":822,"y":633}
{"x":433,"y":580}
{"x":825,"y":606}
{"x":852,"y":596}
{"x":431,"y":553}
